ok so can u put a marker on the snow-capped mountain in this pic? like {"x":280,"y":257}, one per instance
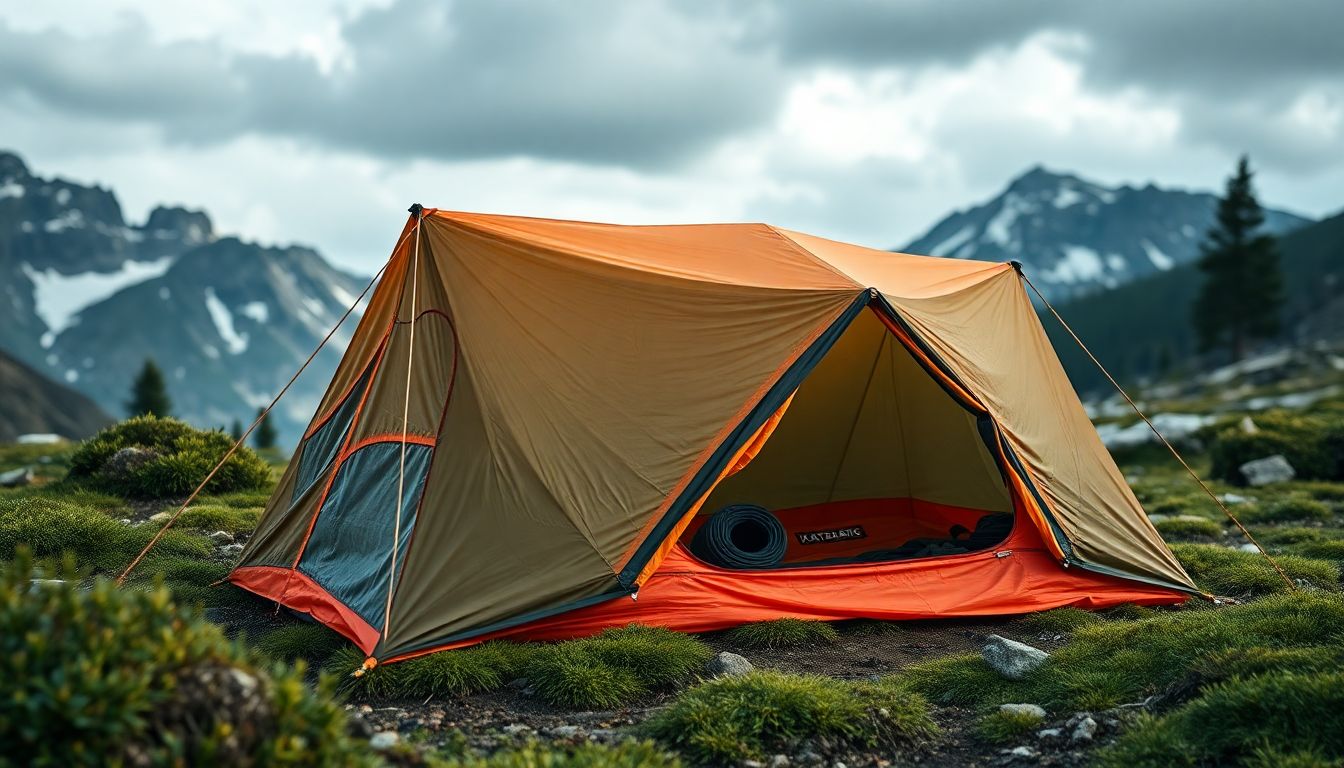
{"x":90,"y":297}
{"x":1075,"y":237}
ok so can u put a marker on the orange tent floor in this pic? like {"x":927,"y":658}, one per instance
{"x":1018,"y":576}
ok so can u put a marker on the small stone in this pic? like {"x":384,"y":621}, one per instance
{"x":1033,"y":710}
{"x":1085,"y":730}
{"x":514,"y":729}
{"x":231,"y":549}
{"x":1248,"y":547}
{"x":752,"y":764}
{"x":1248,"y":425}
{"x":839,"y":764}
{"x":1234,"y":498}
{"x":1270,"y":469}
{"x":16,"y":478}
{"x":1049,"y":733}
{"x":160,"y":517}
{"x":565,"y":731}
{"x":126,"y":521}
{"x":221,"y":537}
{"x":1023,"y":751}
{"x":808,"y":757}
{"x":779,"y":761}
{"x":1010,"y":658}
{"x":727,"y":664}
{"x":384,"y":740}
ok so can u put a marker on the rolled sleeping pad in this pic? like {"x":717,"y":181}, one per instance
{"x":741,"y":536}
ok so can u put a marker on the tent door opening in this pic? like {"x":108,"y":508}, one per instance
{"x":871,"y":461}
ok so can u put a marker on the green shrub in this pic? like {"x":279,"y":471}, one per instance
{"x":103,"y":676}
{"x":1058,"y":620}
{"x":1002,"y":726}
{"x":731,"y":719}
{"x":1286,"y":510}
{"x":1321,"y":490}
{"x":1127,"y":612}
{"x":312,"y":642}
{"x":1227,"y":663}
{"x":178,"y":458}
{"x":627,"y":754}
{"x":1235,"y":573}
{"x":1230,"y":722}
{"x":458,"y":672}
{"x":1313,"y":444}
{"x":782,"y":633}
{"x":1189,"y":528}
{"x":614,"y":667}
{"x":51,"y":527}
{"x":218,"y":517}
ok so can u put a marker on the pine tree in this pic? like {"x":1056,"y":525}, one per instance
{"x":236,"y":430}
{"x":1242,"y":295}
{"x":149,"y":393}
{"x":265,"y":436}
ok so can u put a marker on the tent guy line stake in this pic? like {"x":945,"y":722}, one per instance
{"x":1194,"y":475}
{"x":405,"y":425}
{"x":243,"y":439}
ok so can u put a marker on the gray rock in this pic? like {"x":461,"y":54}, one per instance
{"x":1249,"y":547}
{"x":221,"y":537}
{"x":727,"y":664}
{"x":1033,"y":710}
{"x":515,"y":729}
{"x":384,"y":740}
{"x":1010,"y":658}
{"x":160,"y":517}
{"x":808,"y":757}
{"x":127,"y":460}
{"x":1234,"y":498}
{"x":16,"y":478}
{"x":752,"y":764}
{"x":839,"y":764}
{"x":1270,"y":469}
{"x":780,"y":761}
{"x":1049,"y":733}
{"x":1084,"y":730}
{"x":1023,"y":751}
{"x":1248,"y":426}
{"x":231,"y":549}
{"x":565,"y":731}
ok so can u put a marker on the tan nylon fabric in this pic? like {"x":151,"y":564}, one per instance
{"x":598,"y":367}
{"x":991,"y":338}
{"x":869,"y":423}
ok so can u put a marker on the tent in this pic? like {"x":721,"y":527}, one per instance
{"x":535,"y":419}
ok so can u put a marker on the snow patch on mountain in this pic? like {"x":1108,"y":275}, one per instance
{"x":234,"y":342}
{"x":1079,"y":264}
{"x":1160,"y":260}
{"x":952,"y":244}
{"x":11,"y":188}
{"x":59,"y":298}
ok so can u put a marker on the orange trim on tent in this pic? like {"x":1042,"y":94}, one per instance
{"x":296,"y":591}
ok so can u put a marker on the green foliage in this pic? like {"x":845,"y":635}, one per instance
{"x":51,"y":527}
{"x":1242,"y":295}
{"x":731,"y":719}
{"x":1286,"y":510}
{"x":1235,"y":573}
{"x":175,"y":459}
{"x":1312,"y":443}
{"x":783,"y":633}
{"x":614,"y":667}
{"x":1189,"y":528}
{"x":1280,"y":713}
{"x":1002,"y":727}
{"x":103,"y":676}
{"x":1061,"y":620}
{"x":149,"y":393}
{"x":963,"y":679}
{"x":218,"y":517}
{"x":1127,"y":612}
{"x":484,"y":667}
{"x":627,"y":754}
{"x":312,"y":642}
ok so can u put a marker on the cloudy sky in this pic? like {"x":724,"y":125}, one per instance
{"x":319,"y":121}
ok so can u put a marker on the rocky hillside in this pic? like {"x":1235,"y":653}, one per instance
{"x":1076,"y":237}
{"x":31,"y":403}
{"x":91,"y":296}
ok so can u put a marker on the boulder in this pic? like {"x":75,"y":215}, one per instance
{"x":1010,"y":658}
{"x":126,"y":461}
{"x":221,"y":537}
{"x":1024,"y":709}
{"x":1085,"y":730}
{"x":1270,"y":469}
{"x":16,"y":478}
{"x":727,"y":664}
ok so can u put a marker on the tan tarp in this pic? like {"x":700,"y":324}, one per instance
{"x":595,"y":368}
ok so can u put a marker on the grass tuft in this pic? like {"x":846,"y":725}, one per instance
{"x":623,"y":755}
{"x":459,"y":672}
{"x":311,"y":642}
{"x":731,"y":719}
{"x":782,"y":633}
{"x":219,"y":517}
{"x":1253,"y":718}
{"x":615,"y":666}
{"x":1184,"y":528}
{"x":964,"y":680}
{"x":1287,"y":510}
{"x":1002,"y":727}
{"x":1058,"y":620}
{"x":1246,"y":574}
{"x":50,"y":527}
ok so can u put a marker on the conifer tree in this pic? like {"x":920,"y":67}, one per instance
{"x":265,"y":436}
{"x":236,"y":430}
{"x":1242,"y":295}
{"x":149,"y":393}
